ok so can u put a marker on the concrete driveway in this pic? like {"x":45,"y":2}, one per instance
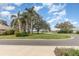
{"x":20,"y":50}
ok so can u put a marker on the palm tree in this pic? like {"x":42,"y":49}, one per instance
{"x":16,"y":22}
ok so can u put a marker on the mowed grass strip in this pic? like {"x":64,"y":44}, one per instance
{"x":38,"y":36}
{"x":49,"y":36}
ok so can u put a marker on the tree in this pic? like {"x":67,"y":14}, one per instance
{"x":16,"y":22}
{"x":34,"y":17}
{"x":28,"y":20}
{"x":65,"y":26}
{"x":41,"y":25}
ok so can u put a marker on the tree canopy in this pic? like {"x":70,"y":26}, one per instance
{"x":29,"y":20}
{"x":65,"y":25}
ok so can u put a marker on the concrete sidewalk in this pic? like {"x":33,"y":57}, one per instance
{"x":21,"y":50}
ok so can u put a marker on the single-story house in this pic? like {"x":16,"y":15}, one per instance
{"x":3,"y":28}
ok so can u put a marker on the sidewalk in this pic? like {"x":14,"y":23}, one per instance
{"x":20,"y":50}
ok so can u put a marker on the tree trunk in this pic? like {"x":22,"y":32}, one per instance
{"x":19,"y":25}
{"x":37,"y":31}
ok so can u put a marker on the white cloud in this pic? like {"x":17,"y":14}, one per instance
{"x":61,"y":13}
{"x":50,"y":21}
{"x":9,"y":7}
{"x":55,"y":7}
{"x":47,"y":5}
{"x":74,"y":23}
{"x":66,"y":19}
{"x":18,"y":4}
{"x":5,"y":13}
{"x":37,"y":8}
{"x":47,"y":18}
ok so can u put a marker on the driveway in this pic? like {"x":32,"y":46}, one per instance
{"x":71,"y":42}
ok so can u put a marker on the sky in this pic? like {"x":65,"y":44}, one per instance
{"x":53,"y":13}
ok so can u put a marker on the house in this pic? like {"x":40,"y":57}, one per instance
{"x":3,"y":28}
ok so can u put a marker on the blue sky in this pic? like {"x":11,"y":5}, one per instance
{"x":51,"y":12}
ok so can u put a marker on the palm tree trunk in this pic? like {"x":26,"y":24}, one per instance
{"x":19,"y":26}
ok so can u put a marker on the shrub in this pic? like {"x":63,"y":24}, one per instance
{"x":21,"y":34}
{"x":65,"y":31}
{"x":8,"y":32}
{"x":66,"y":52}
{"x":77,"y":32}
{"x":70,"y":31}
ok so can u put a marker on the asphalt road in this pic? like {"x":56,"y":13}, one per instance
{"x":71,"y":42}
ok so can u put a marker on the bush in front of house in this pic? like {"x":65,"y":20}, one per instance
{"x":66,"y":52}
{"x":8,"y":32}
{"x":21,"y":34}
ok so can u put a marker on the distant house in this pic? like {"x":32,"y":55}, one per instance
{"x":3,"y":28}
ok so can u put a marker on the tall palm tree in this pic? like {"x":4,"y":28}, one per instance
{"x":16,"y":22}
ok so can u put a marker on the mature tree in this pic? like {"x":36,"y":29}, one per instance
{"x":65,"y":26}
{"x":41,"y":25}
{"x":34,"y":17}
{"x":28,"y":20}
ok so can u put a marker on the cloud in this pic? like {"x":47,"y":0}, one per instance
{"x":74,"y":23}
{"x":57,"y":16}
{"x":66,"y":19}
{"x":18,"y":4}
{"x":50,"y":21}
{"x":56,"y":10}
{"x":5,"y":13}
{"x":48,"y":5}
{"x":37,"y":8}
{"x":54,"y":7}
{"x":47,"y":18}
{"x":61,"y":13}
{"x":9,"y":7}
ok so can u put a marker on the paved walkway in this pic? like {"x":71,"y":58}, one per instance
{"x":21,"y":50}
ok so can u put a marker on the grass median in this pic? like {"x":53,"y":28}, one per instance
{"x":38,"y":36}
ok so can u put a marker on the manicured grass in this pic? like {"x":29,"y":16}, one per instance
{"x":38,"y":36}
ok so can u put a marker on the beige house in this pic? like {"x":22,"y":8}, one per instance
{"x":3,"y":28}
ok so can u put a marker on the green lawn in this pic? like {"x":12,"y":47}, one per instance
{"x":38,"y":36}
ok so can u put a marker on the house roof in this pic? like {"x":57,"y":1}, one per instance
{"x":4,"y":27}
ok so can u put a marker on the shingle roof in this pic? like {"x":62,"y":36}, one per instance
{"x":4,"y":27}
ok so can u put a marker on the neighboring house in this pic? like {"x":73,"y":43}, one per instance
{"x":3,"y":28}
